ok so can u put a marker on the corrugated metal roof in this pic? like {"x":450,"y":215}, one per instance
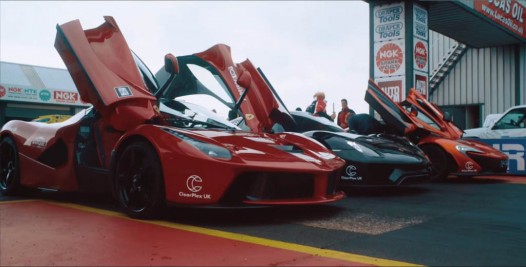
{"x":36,"y":77}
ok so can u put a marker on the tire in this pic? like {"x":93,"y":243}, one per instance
{"x":138,"y":181}
{"x":9,"y":167}
{"x":439,"y":161}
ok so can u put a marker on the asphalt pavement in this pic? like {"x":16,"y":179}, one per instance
{"x":462,"y":222}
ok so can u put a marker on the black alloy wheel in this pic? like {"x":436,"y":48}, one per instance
{"x":138,"y":181}
{"x":439,"y":162}
{"x":9,"y":167}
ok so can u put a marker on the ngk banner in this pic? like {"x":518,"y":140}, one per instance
{"x":48,"y":96}
{"x":420,"y":55}
{"x":389,"y":59}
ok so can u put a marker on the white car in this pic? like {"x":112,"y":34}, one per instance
{"x":491,"y":119}
{"x":510,"y":125}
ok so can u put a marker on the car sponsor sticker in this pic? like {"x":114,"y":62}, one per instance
{"x":351,"y":173}
{"x":469,"y":167}
{"x":123,"y":91}
{"x":194,"y":184}
{"x":39,"y":142}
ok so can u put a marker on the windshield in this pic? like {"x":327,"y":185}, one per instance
{"x":183,"y":114}
{"x":512,"y":120}
{"x":146,"y":74}
{"x":423,"y":117}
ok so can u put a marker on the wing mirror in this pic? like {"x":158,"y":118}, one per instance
{"x":447,"y":117}
{"x":171,"y":65}
{"x":245,"y":79}
{"x":413,"y":110}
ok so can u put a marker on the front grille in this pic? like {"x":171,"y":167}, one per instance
{"x":333,"y":182}
{"x":489,"y":164}
{"x":269,"y":186}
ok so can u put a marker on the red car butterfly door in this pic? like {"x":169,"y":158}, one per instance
{"x":258,"y":104}
{"x":105,"y":73}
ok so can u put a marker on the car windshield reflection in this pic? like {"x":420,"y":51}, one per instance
{"x":184,"y":114}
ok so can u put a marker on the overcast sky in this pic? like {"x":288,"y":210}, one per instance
{"x":302,"y":46}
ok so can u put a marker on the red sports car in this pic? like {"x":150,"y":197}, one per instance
{"x":148,"y":158}
{"x":434,"y":132}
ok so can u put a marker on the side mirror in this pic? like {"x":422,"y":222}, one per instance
{"x":245,"y":79}
{"x":413,"y":110}
{"x":447,"y":117}
{"x":171,"y":65}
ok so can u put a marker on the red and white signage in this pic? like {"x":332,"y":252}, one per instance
{"x":3,"y":92}
{"x":393,"y":87}
{"x":421,"y":83}
{"x":420,"y":55}
{"x":65,"y":97}
{"x":507,"y":13}
{"x":389,"y":58}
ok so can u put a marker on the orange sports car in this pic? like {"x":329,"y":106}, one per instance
{"x":436,"y":134}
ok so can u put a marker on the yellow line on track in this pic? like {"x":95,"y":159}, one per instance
{"x":326,"y":253}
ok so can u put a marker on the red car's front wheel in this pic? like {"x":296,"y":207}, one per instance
{"x":138,"y":180}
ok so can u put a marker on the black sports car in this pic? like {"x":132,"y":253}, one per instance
{"x":373,"y":160}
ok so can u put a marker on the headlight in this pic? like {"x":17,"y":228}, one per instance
{"x":464,"y":149}
{"x":363,"y":149}
{"x":211,"y":150}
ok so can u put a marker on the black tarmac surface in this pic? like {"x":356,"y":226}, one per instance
{"x":462,"y":222}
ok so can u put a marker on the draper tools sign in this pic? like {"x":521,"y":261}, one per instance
{"x":420,"y":50}
{"x":388,"y":22}
{"x":16,"y":93}
{"x":507,"y":13}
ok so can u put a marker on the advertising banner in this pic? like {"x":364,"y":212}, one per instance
{"x":515,"y":148}
{"x":507,"y":13}
{"x":389,"y":58}
{"x":389,"y":22}
{"x":420,"y":29}
{"x":43,"y":96}
{"x":420,"y":55}
{"x":421,"y":83}
{"x":393,"y":87}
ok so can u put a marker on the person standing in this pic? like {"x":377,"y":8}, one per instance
{"x":343,"y":115}
{"x":318,"y":107}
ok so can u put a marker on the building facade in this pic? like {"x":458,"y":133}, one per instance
{"x":27,"y":92}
